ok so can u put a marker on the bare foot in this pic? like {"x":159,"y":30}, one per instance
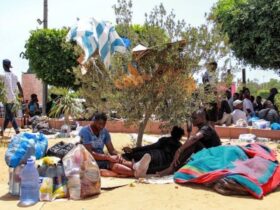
{"x":141,"y":167}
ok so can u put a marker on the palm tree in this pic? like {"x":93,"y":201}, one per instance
{"x":68,"y":105}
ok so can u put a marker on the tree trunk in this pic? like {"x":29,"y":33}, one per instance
{"x":141,"y":130}
{"x":66,"y":119}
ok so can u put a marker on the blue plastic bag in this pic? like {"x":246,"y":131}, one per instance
{"x":275,"y":126}
{"x":23,"y":146}
{"x":253,"y":119}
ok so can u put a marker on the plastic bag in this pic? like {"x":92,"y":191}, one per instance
{"x":46,"y":189}
{"x":48,"y":161}
{"x":60,"y":149}
{"x":261,"y":124}
{"x":248,"y":137}
{"x":241,"y":123}
{"x":275,"y":126}
{"x":24,"y":145}
{"x":82,"y":173}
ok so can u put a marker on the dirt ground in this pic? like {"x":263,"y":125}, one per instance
{"x":144,"y":196}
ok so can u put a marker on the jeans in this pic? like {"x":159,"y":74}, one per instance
{"x":9,"y":117}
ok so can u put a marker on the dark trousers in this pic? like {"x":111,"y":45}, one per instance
{"x":9,"y":117}
{"x":186,"y":154}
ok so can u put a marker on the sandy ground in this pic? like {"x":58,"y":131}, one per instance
{"x":144,"y":196}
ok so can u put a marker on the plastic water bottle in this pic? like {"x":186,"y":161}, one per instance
{"x":29,"y":190}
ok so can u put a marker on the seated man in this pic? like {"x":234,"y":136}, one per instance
{"x":238,"y":112}
{"x":269,"y":113}
{"x":224,"y":113}
{"x":95,"y":136}
{"x":205,"y":137}
{"x":162,"y":152}
{"x":33,"y":106}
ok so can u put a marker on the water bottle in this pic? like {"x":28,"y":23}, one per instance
{"x":14,"y":180}
{"x":29,"y":190}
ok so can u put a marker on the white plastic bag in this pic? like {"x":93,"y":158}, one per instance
{"x":82,"y":173}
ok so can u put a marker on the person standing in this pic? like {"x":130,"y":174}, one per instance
{"x":11,"y":86}
{"x":210,"y":81}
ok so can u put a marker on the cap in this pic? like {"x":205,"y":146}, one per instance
{"x":237,"y":102}
{"x":7,"y":62}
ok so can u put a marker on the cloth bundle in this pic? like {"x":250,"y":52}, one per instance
{"x":254,"y":167}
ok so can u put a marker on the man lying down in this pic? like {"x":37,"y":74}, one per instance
{"x":168,"y":155}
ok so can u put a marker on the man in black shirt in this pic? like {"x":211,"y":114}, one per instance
{"x":205,"y":137}
{"x":162,"y":152}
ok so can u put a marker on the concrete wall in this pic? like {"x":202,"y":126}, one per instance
{"x":31,"y":84}
{"x":154,"y":128}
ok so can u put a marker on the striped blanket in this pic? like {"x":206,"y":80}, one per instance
{"x":253,"y":166}
{"x":91,"y":35}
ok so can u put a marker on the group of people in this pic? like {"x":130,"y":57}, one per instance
{"x":227,"y":109}
{"x":242,"y":106}
{"x":162,"y":158}
{"x":168,"y":154}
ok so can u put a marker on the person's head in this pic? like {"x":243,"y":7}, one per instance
{"x":268,"y":104}
{"x":7,"y":65}
{"x":177,"y":133}
{"x":99,"y":121}
{"x":273,"y":91}
{"x":252,"y":98}
{"x":212,"y":66}
{"x":246,"y":93}
{"x":53,"y":96}
{"x":235,"y":96}
{"x":259,"y":99}
{"x":34,"y":97}
{"x":199,"y":117}
{"x":228,"y":94}
{"x":238,"y":104}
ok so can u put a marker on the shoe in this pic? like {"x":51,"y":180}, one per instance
{"x":141,"y":167}
{"x":1,"y":133}
{"x":17,"y":132}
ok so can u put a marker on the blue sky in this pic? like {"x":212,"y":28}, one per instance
{"x":18,"y":18}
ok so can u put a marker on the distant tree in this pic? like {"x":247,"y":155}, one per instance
{"x":253,"y":86}
{"x":51,"y":58}
{"x":264,"y":93}
{"x":252,"y":27}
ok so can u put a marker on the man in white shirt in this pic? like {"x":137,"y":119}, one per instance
{"x":247,"y":103}
{"x":11,"y":86}
{"x":238,"y":114}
